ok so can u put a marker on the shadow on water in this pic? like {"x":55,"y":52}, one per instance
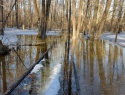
{"x":100,"y":67}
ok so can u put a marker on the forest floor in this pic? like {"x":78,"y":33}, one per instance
{"x":111,"y":37}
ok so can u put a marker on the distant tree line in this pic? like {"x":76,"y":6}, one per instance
{"x":81,"y":16}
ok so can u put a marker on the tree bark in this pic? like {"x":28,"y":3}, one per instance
{"x":43,"y":20}
{"x":119,"y":18}
{"x":29,"y":9}
{"x":103,"y":19}
{"x":74,"y":19}
{"x":16,"y":8}
{"x":113,"y":15}
{"x":79,"y":18}
{"x":38,"y":18}
{"x":93,"y":29}
{"x":69,"y":16}
{"x":85,"y":23}
{"x":1,"y":17}
{"x":48,"y":2}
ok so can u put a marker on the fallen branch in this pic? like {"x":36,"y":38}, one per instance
{"x":25,"y":74}
{"x":37,"y":44}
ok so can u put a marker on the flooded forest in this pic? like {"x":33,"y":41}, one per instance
{"x":62,"y":47}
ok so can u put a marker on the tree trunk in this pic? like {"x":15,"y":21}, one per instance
{"x":66,"y":1}
{"x":43,"y":20}
{"x":24,"y":15}
{"x":113,"y":15}
{"x":48,"y":2}
{"x":119,"y":18}
{"x":16,"y":8}
{"x":1,"y":17}
{"x":74,"y":19}
{"x":29,"y":9}
{"x":85,"y":23}
{"x":79,"y":18}
{"x":93,"y":29}
{"x":103,"y":19}
{"x":38,"y":18}
{"x":69,"y":16}
{"x":123,"y":23}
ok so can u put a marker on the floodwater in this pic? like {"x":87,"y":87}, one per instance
{"x":100,"y":67}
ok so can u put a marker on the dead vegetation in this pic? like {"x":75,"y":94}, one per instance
{"x":4,"y":49}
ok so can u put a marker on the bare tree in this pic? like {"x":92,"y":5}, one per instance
{"x":85,"y":23}
{"x":119,"y":18}
{"x":37,"y":15}
{"x":1,"y":17}
{"x":74,"y":18}
{"x":93,"y":29}
{"x":29,"y":9}
{"x":79,"y":19}
{"x":16,"y":8}
{"x":113,"y":15}
{"x":99,"y":30}
{"x":69,"y":16}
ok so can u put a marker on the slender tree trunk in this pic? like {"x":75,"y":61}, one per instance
{"x":29,"y":9}
{"x":79,"y":19}
{"x":19,"y":15}
{"x":38,"y":18}
{"x":85,"y":23}
{"x":74,"y":19}
{"x":119,"y":18}
{"x":113,"y":15}
{"x":1,"y":17}
{"x":69,"y":16}
{"x":103,"y":19}
{"x":24,"y":15}
{"x":66,"y":14}
{"x":43,"y":20}
{"x":93,"y":29}
{"x":16,"y":8}
{"x":123,"y":23}
{"x":48,"y":2}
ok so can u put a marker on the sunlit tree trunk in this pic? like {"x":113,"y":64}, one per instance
{"x":79,"y":18}
{"x":119,"y":18}
{"x":74,"y":19}
{"x":100,"y":12}
{"x":24,"y":15}
{"x":85,"y":23}
{"x":123,"y":23}
{"x":93,"y":29}
{"x":69,"y":16}
{"x":1,"y":17}
{"x":113,"y":15}
{"x":29,"y":9}
{"x":37,"y":16}
{"x":66,"y":14}
{"x":99,"y":30}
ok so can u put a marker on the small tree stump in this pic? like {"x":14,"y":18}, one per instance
{"x":4,"y":49}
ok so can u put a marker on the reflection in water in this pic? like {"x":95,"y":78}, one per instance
{"x":103,"y":72}
{"x":4,"y":74}
{"x":41,"y":81}
{"x":100,"y":67}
